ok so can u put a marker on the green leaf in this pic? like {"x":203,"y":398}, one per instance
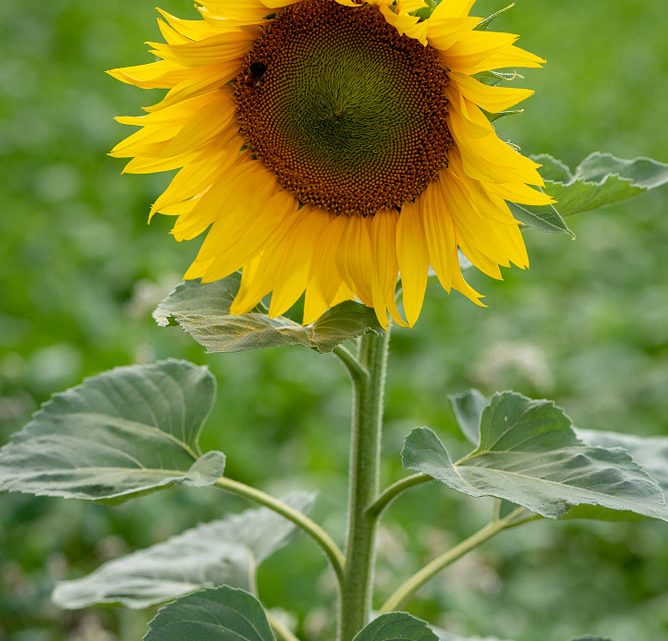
{"x":468,"y":407}
{"x":203,"y":311}
{"x":530,"y":455}
{"x":446,"y":636}
{"x":485,"y":24}
{"x":122,"y":433}
{"x":217,"y":614}
{"x":492,"y":116}
{"x":649,"y":451}
{"x":553,"y":169}
{"x":449,"y":637}
{"x":590,"y":638}
{"x":642,"y":172}
{"x":223,"y":552}
{"x":396,"y":626}
{"x":543,"y":218}
{"x":495,"y":78}
{"x":599,"y":181}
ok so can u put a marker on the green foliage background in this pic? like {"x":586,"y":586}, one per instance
{"x":586,"y":326}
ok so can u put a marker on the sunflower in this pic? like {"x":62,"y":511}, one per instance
{"x":329,"y":147}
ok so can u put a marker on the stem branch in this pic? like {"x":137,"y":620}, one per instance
{"x":441,"y":562}
{"x":280,"y":628}
{"x":391,"y":493}
{"x":355,"y":368}
{"x":302,"y":521}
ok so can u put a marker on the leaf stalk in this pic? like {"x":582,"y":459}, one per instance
{"x":302,"y":521}
{"x":394,"y":490}
{"x":429,"y":571}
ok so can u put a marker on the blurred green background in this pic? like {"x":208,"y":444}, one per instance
{"x":587,"y":326}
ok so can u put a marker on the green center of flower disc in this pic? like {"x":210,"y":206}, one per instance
{"x":349,"y":115}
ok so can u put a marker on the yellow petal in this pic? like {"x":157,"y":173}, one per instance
{"x":325,"y":281}
{"x":492,"y":99}
{"x":444,"y":32}
{"x":453,"y":9}
{"x":232,"y":45}
{"x":413,"y":260}
{"x":294,"y":266}
{"x":353,"y":257}
{"x":231,"y":202}
{"x":265,"y":228}
{"x":384,"y":266}
{"x":439,"y":233}
{"x":509,"y":57}
{"x":154,"y":75}
{"x":205,"y":125}
{"x":521,"y":193}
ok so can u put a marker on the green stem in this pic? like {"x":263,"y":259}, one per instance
{"x":430,"y":570}
{"x":391,"y":493}
{"x":301,"y":520}
{"x":357,"y":588}
{"x":355,"y":369}
{"x":281,"y":629}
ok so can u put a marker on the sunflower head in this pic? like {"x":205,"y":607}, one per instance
{"x":330,"y":147}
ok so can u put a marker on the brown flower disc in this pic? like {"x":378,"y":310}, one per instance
{"x":349,"y":115}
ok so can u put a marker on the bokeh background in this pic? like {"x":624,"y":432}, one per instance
{"x":587,"y":326}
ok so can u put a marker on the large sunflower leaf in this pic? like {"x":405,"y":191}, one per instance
{"x":203,"y":311}
{"x":118,"y":434}
{"x":529,"y":454}
{"x":396,"y":626}
{"x":650,"y":452}
{"x":223,"y":552}
{"x":600,"y":180}
{"x":217,"y":614}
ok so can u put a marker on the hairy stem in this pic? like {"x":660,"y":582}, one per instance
{"x":356,"y":592}
{"x":355,"y":368}
{"x":441,"y":562}
{"x":302,"y":521}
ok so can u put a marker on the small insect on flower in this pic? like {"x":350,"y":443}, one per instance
{"x":255,"y":73}
{"x":329,"y":147}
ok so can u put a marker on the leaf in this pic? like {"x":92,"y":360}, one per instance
{"x":446,"y":636}
{"x":121,"y":433}
{"x":203,"y":311}
{"x":396,"y":626}
{"x":543,"y":218}
{"x":492,"y":116}
{"x":529,"y":455}
{"x":642,"y":172}
{"x":649,"y":451}
{"x":468,"y":407}
{"x":553,"y":169}
{"x":495,"y":78}
{"x":217,"y":614}
{"x":223,"y":552}
{"x":483,"y":25}
{"x":599,"y":181}
{"x":450,"y":637}
{"x":590,"y":638}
